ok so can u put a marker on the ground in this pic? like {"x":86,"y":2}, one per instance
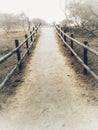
{"x":50,"y":96}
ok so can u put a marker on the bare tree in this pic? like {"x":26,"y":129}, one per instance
{"x":84,"y":14}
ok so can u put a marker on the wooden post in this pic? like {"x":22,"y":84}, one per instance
{"x":85,"y":57}
{"x":72,"y":44}
{"x":65,"y":36}
{"x":31,"y":36}
{"x":61,"y":32}
{"x":58,"y":29}
{"x":36,"y":29}
{"x":33,"y":28}
{"x":18,"y":53}
{"x":33,"y":31}
{"x":27,"y":45}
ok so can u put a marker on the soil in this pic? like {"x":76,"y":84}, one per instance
{"x":50,"y":96}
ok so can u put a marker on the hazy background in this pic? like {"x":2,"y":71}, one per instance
{"x":50,"y":10}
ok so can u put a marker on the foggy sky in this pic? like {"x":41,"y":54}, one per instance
{"x":49,"y":10}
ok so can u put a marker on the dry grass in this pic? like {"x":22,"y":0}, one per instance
{"x":7,"y":45}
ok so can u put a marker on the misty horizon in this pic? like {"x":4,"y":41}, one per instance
{"x":48,"y":10}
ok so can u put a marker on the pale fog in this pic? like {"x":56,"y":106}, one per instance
{"x":49,"y":10}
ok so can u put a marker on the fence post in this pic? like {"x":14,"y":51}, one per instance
{"x":31,"y":36}
{"x":72,"y":44}
{"x":85,"y":57}
{"x":58,"y":29}
{"x":18,"y":53}
{"x":61,"y":32}
{"x":33,"y":28}
{"x":27,"y":45}
{"x":65,"y":36}
{"x":35,"y":31}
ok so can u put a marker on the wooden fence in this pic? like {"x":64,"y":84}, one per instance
{"x":17,"y":51}
{"x":62,"y":34}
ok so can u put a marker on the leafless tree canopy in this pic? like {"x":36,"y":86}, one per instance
{"x":83,"y":13}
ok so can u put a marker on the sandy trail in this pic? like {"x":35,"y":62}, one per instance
{"x":49,"y":98}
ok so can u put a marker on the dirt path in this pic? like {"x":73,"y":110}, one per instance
{"x":48,"y":99}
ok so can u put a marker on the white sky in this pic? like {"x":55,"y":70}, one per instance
{"x":49,"y":10}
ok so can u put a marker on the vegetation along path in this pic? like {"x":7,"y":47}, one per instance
{"x":49,"y":98}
